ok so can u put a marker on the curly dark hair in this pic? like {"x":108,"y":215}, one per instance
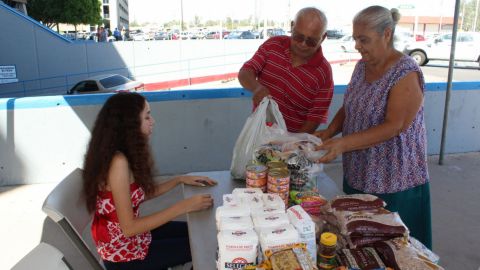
{"x":117,"y":128}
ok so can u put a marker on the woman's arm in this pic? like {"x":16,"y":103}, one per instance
{"x":404,"y":101}
{"x":119,"y":183}
{"x":193,"y":180}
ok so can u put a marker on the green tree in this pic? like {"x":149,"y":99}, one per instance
{"x":48,"y":12}
{"x":51,"y":12}
{"x":469,"y":16}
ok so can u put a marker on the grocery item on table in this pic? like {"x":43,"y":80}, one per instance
{"x":235,"y":223}
{"x":231,"y":211}
{"x":360,"y":258}
{"x":265,"y":221}
{"x":326,"y":251}
{"x":277,"y":237}
{"x":240,"y":192}
{"x":279,"y":183}
{"x":401,"y":255}
{"x":253,"y":201}
{"x":273,"y":200}
{"x":305,"y":228}
{"x":256,"y":176}
{"x":230,"y":199}
{"x":356,"y":202}
{"x":291,"y":257}
{"x":365,"y":227}
{"x":236,"y":249}
{"x":310,"y":201}
{"x":268,"y":211}
{"x":297,"y":151}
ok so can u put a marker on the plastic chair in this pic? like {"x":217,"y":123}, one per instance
{"x":66,"y":206}
{"x":43,"y":256}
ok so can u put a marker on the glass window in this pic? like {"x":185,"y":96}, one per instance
{"x":113,"y":81}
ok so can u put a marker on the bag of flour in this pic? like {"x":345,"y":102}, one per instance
{"x":236,"y":249}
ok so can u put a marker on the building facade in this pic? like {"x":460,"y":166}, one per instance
{"x":20,"y":5}
{"x":115,"y":14}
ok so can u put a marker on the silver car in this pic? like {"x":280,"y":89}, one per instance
{"x":467,"y":48}
{"x":108,"y":83}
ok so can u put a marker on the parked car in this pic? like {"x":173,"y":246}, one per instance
{"x":107,"y":83}
{"x":335,"y":34}
{"x":401,"y":40}
{"x":273,"y":32}
{"x":216,"y":34}
{"x":160,"y":35}
{"x":240,"y":35}
{"x":347,"y":44}
{"x":467,"y":48}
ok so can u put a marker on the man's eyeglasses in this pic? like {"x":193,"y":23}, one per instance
{"x":310,"y":42}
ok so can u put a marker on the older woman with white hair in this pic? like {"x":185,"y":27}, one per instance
{"x":383,"y":142}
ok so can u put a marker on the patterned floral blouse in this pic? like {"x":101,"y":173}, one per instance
{"x":111,"y":244}
{"x":397,"y":164}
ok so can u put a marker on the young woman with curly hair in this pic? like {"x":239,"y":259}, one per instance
{"x":118,"y":178}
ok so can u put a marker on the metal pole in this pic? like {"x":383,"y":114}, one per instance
{"x":449,"y":81}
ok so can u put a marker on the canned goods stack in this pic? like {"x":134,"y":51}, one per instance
{"x":256,"y":177}
{"x":279,"y":182}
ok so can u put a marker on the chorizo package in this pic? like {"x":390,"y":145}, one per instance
{"x":356,"y":202}
{"x":380,"y":223}
{"x":360,"y":258}
{"x":400,"y":255}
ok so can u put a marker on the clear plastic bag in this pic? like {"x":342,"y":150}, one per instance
{"x":297,"y":150}
{"x":253,"y":134}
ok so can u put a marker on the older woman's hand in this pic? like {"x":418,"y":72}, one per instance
{"x":322,"y":134}
{"x":334,"y":147}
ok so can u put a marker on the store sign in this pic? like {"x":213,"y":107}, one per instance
{"x":8,"y":74}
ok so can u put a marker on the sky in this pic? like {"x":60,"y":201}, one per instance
{"x":339,"y":12}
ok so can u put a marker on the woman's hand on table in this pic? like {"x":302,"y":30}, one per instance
{"x":197,"y":203}
{"x":333,"y":147}
{"x":196,"y":180}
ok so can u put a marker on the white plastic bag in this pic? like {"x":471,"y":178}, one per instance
{"x":252,"y":135}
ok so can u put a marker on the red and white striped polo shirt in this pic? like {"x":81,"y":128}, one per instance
{"x":303,"y":93}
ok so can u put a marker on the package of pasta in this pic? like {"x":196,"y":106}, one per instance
{"x":356,"y":202}
{"x":293,"y":256}
{"x":401,"y":255}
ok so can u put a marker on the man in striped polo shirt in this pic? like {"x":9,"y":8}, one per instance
{"x":294,"y":72}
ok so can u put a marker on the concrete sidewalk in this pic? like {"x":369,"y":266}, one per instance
{"x":455,"y":189}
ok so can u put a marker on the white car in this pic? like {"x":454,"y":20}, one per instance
{"x":109,"y":83}
{"x":467,"y":48}
{"x":400,"y":41}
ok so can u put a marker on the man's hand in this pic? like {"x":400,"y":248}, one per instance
{"x":259,"y":93}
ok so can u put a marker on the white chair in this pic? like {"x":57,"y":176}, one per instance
{"x":67,"y":207}
{"x":43,"y":256}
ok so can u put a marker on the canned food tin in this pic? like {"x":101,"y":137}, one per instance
{"x":279,"y":177}
{"x":256,"y":171}
{"x":256,"y":182}
{"x":278,"y":188}
{"x":276,"y":165}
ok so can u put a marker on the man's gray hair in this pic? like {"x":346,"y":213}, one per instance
{"x":309,"y":11}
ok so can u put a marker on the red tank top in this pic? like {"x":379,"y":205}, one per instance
{"x":111,"y":244}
